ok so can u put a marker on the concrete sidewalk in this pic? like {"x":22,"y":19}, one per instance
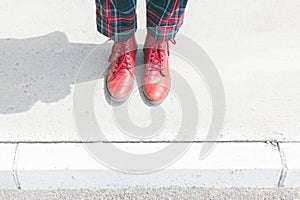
{"x":254,"y":45}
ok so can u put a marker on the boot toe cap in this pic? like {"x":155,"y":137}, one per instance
{"x":155,"y":93}
{"x":119,"y":91}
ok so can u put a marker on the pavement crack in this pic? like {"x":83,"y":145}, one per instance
{"x":284,"y":169}
{"x":14,"y":168}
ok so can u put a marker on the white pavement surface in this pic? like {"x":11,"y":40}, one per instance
{"x":255,"y":46}
{"x":44,"y":166}
{"x":7,"y":152}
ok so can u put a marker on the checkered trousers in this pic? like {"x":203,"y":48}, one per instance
{"x":116,"y":19}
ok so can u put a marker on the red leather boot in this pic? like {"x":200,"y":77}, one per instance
{"x":120,"y":75}
{"x":156,"y":75}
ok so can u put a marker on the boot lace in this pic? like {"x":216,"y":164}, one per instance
{"x":120,"y":54}
{"x":157,"y":56}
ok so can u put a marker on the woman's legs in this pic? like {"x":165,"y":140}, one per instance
{"x":164,"y":18}
{"x":116,"y":19}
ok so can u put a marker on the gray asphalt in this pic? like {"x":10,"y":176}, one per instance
{"x":157,"y":193}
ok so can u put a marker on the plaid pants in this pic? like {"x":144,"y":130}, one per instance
{"x":116,"y":19}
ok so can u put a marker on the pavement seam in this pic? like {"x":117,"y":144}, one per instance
{"x":284,"y":169}
{"x":14,"y":167}
{"x":136,"y":141}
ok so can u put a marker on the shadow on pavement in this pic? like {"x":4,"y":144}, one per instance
{"x":40,"y":69}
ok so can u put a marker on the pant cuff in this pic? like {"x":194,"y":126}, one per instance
{"x":113,"y":28}
{"x":119,"y":36}
{"x":164,"y":33}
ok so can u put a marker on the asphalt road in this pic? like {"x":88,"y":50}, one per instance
{"x":158,"y":193}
